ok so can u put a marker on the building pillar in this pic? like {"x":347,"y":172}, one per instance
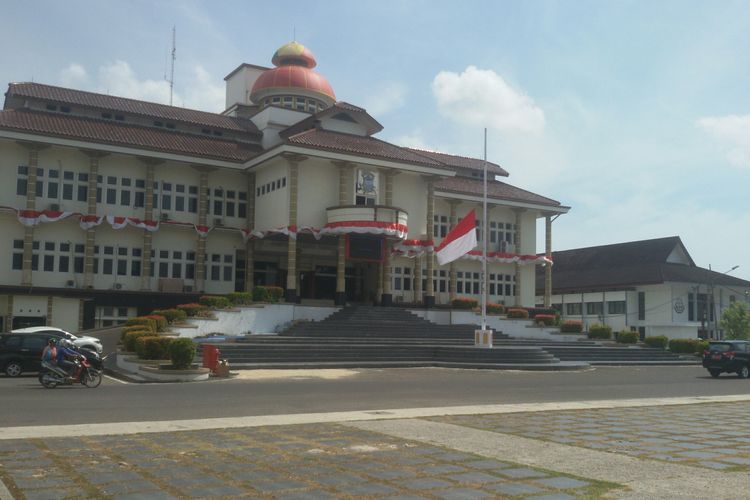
{"x":49,"y":319}
{"x":345,"y":169}
{"x":200,"y":246}
{"x":386,"y":299}
{"x":250,"y":225}
{"x":291,"y":260}
{"x":81,"y":310}
{"x":547,"y":265}
{"x":452,"y":271}
{"x":418,"y":279}
{"x":517,"y":265}
{"x":28,"y":234}
{"x":429,"y":294}
{"x":379,"y":291}
{"x":91,"y":205}
{"x":9,"y":314}
{"x":148,"y":212}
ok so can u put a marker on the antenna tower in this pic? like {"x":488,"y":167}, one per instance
{"x":174,"y":56}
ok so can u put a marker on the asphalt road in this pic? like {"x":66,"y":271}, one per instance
{"x":25,"y":402}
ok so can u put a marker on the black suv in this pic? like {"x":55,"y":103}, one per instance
{"x":21,"y":352}
{"x":730,"y":356}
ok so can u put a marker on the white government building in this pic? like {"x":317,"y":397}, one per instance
{"x":112,"y":207}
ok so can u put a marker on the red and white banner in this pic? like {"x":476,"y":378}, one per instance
{"x":459,"y":241}
{"x":413,"y":248}
{"x":365,"y":227}
{"x":31,"y":218}
{"x":202,"y":230}
{"x":508,"y":258}
{"x":122,"y":222}
{"x":90,"y":221}
{"x":290,"y":231}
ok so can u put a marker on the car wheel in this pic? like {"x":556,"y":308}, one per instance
{"x":13,"y":368}
{"x":714,"y":373}
{"x":744,"y":372}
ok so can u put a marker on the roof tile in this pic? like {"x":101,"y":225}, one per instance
{"x":495,"y":189}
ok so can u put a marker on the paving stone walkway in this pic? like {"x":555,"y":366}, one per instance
{"x":312,"y":461}
{"x":714,"y":436}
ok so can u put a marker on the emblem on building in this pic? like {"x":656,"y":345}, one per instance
{"x":679,"y":305}
{"x":367,"y":183}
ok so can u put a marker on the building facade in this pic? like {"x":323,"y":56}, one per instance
{"x":651,"y":286}
{"x":112,"y":207}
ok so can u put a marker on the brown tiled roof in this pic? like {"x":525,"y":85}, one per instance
{"x":121,"y":134}
{"x":462,"y":161}
{"x":312,"y":120}
{"x":359,"y":145}
{"x":144,"y":108}
{"x":495,"y":189}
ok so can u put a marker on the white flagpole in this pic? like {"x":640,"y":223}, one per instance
{"x":484,"y":239}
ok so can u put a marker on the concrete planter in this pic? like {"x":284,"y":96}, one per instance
{"x":162,"y":373}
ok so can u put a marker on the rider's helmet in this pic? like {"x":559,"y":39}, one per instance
{"x":65,"y":343}
{"x":52,"y":341}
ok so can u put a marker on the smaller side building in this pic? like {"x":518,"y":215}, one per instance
{"x":650,"y":286}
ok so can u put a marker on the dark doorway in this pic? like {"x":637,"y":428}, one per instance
{"x":28,"y":321}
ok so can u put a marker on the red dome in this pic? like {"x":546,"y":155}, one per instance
{"x":293,"y":77}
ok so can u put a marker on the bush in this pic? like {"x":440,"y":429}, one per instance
{"x":571,"y":326}
{"x":161,"y":321}
{"x":659,"y":341}
{"x":172,"y":315}
{"x":701,"y":346}
{"x":182,"y":353}
{"x":135,"y":328}
{"x":275,"y":293}
{"x":683,"y":345}
{"x":128,"y":341}
{"x":153,"y":347}
{"x":627,"y":337}
{"x":240,"y":298}
{"x":544,"y":319}
{"x":518,"y":313}
{"x":193,"y":309}
{"x":214,"y":302}
{"x":495,"y":308}
{"x":599,"y":331}
{"x":534,"y":311}
{"x":149,"y":323}
{"x":466,"y":304}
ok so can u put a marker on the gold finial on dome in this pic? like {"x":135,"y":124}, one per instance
{"x":294,"y":54}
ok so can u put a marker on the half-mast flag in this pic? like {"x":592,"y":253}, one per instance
{"x":459,"y":241}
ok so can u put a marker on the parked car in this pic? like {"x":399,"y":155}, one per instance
{"x":728,"y":356}
{"x":82,"y":342}
{"x":21,"y":352}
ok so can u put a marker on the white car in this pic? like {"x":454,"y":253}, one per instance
{"x":82,"y":342}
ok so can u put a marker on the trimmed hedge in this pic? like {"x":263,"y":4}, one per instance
{"x":214,"y":302}
{"x":544,"y":319}
{"x":134,"y":328}
{"x":161,"y":321}
{"x":534,"y":311}
{"x":571,"y":326}
{"x":701,"y":346}
{"x":149,"y":323}
{"x":267,"y":293}
{"x":153,"y":347}
{"x":182,"y":353}
{"x":658,"y":341}
{"x":599,"y":331}
{"x":468,"y":304}
{"x":684,"y":345}
{"x":193,"y":309}
{"x":172,"y":315}
{"x":495,"y":308}
{"x":518,"y":313}
{"x":128,"y":341}
{"x":627,"y":337}
{"x":240,"y":298}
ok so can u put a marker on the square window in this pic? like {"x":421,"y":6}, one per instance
{"x":111,"y":180}
{"x":49,"y":246}
{"x":125,"y":181}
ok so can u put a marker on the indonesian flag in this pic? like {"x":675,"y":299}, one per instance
{"x":90,"y":221}
{"x":202,"y":230}
{"x":459,"y":241}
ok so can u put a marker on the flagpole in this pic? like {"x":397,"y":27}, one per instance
{"x":484,"y":238}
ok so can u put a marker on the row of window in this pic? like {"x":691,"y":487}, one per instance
{"x":502,"y":234}
{"x":270,"y":187}
{"x":466,"y":282}
{"x":295,"y":102}
{"x":593,"y":308}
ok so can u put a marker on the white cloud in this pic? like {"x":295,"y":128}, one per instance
{"x":390,"y":96}
{"x":414,"y":140}
{"x":733,"y":133}
{"x":119,"y":79}
{"x":74,"y":75}
{"x":484,"y":98}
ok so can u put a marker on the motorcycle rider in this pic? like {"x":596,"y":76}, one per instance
{"x":49,"y":354}
{"x":64,"y":352}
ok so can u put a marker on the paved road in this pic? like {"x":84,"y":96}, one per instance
{"x":25,"y":402}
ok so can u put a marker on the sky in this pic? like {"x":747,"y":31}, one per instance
{"x":634,"y":113}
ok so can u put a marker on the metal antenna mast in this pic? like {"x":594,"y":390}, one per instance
{"x":174,"y":56}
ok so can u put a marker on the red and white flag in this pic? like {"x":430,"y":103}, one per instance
{"x":459,"y":241}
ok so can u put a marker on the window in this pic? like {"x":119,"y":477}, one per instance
{"x":440,"y":226}
{"x":573,"y":309}
{"x":641,"y":305}
{"x":17,"y":263}
{"x":366,"y":187}
{"x":594,"y":308}
{"x":616,"y":307}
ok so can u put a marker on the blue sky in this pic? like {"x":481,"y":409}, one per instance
{"x":634,"y":113}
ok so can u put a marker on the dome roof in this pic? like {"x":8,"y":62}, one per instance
{"x":293,"y":75}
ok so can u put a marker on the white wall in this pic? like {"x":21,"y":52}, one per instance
{"x":410,"y":194}
{"x":272,"y":209}
{"x":64,"y":313}
{"x":318,"y":189}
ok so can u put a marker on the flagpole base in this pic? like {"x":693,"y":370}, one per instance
{"x":483,"y":338}
{"x":339,"y":299}
{"x":386,"y":300}
{"x":429,"y":301}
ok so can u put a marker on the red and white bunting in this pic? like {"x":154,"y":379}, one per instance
{"x":31,"y":218}
{"x":89,"y":221}
{"x":365,"y":227}
{"x":122,"y":222}
{"x":117,"y":222}
{"x":508,"y":258}
{"x":290,"y":231}
{"x":413,"y":248}
{"x":202,"y":230}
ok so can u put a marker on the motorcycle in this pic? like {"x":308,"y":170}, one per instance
{"x":51,"y":375}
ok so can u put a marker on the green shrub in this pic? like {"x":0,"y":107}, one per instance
{"x":683,"y":345}
{"x":465,"y":304}
{"x":659,"y":341}
{"x":544,"y":319}
{"x":240,"y":298}
{"x":172,"y":315}
{"x":627,"y":337}
{"x":599,"y":331}
{"x":275,"y":293}
{"x":153,"y":347}
{"x":495,"y":308}
{"x":214,"y":301}
{"x":701,"y":346}
{"x":149,"y":323}
{"x":161,"y":321}
{"x":260,"y":294}
{"x":193,"y":309}
{"x":518,"y":313}
{"x":128,"y":341}
{"x":534,"y":311}
{"x":571,"y":326}
{"x":134,"y":328}
{"x":182,"y":353}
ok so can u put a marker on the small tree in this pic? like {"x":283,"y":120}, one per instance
{"x":736,"y":321}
